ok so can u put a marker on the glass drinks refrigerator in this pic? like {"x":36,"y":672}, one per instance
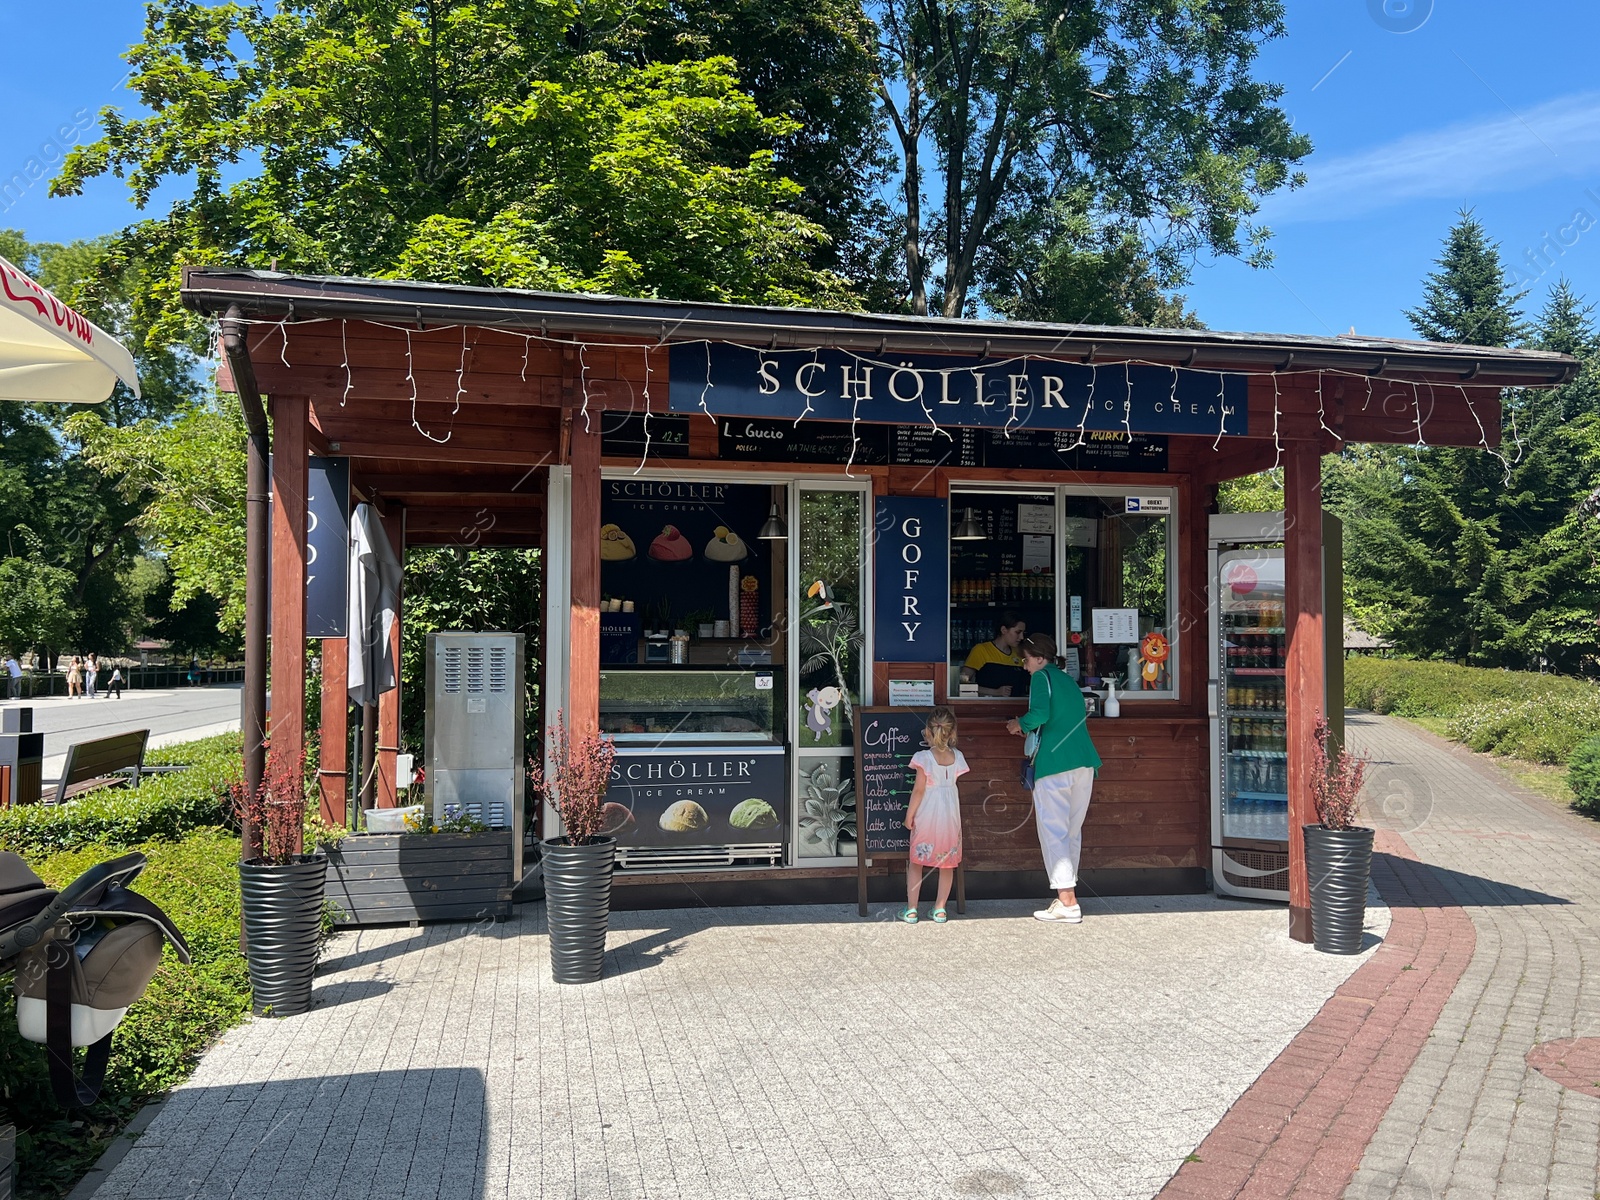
{"x":1246,"y":697}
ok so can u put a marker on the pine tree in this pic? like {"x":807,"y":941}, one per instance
{"x":1466,"y":300}
{"x":1426,"y":557}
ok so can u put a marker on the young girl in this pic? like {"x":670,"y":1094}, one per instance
{"x":934,"y":816}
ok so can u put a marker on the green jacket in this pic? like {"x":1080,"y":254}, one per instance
{"x":1057,"y":710}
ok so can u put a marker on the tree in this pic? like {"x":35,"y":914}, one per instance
{"x":81,"y":523}
{"x":1141,"y":116}
{"x":185,"y":478}
{"x":513,"y":142}
{"x":36,"y":610}
{"x":1459,"y":553}
{"x":1467,"y":299}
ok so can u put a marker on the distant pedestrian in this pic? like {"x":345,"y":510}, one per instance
{"x":14,"y":677}
{"x":114,"y":688}
{"x":75,"y":677}
{"x":91,"y":670}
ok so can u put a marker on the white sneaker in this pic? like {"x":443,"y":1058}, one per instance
{"x":1071,"y":914}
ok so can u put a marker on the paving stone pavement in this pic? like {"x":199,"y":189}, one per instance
{"x":728,"y":1053}
{"x":1471,"y":1118}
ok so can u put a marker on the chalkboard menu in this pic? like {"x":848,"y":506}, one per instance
{"x":753,"y":439}
{"x":1066,"y":449}
{"x":886,"y":739}
{"x":756,"y":440}
{"x":923,"y":446}
{"x":626,"y":435}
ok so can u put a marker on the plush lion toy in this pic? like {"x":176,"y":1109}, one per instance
{"x":1153,"y":653}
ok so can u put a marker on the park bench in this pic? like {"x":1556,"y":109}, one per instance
{"x":104,"y":762}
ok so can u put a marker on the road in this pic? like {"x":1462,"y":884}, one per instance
{"x":176,"y":715}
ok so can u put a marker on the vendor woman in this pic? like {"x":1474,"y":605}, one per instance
{"x":996,"y":665}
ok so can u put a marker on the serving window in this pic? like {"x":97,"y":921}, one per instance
{"x":1093,"y":568}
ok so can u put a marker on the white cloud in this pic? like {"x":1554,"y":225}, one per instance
{"x":1557,"y":140}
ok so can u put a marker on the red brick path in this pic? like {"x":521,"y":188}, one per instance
{"x":1572,"y":1062}
{"x":1300,"y":1130}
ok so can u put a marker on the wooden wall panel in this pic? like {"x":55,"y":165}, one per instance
{"x":1148,"y":803}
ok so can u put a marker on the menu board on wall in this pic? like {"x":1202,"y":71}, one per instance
{"x":1072,"y":450}
{"x":756,"y":440}
{"x":922,"y":446}
{"x":626,"y":435}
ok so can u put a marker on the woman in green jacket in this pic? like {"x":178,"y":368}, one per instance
{"x":1064,"y":769}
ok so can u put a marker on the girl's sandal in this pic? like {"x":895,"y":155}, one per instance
{"x":939,"y":916}
{"x":908,"y":915}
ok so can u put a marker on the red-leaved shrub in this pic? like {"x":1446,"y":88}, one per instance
{"x":1336,"y":781}
{"x":576,"y":782}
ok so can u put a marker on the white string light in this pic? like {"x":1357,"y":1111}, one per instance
{"x":411,"y":378}
{"x":344,"y":347}
{"x":1420,"y":421}
{"x":645,"y":457}
{"x":461,"y":374}
{"x":583,"y":382}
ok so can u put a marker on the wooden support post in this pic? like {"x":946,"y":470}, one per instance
{"x":394,"y":525}
{"x":257,"y":616}
{"x":1302,"y":521}
{"x":583,"y":661}
{"x":333,"y":771}
{"x":287,"y":732}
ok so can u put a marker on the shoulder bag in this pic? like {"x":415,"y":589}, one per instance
{"x":1030,"y":744}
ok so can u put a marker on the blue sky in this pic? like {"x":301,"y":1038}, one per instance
{"x":1483,"y":105}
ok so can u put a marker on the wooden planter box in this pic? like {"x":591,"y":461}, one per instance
{"x":397,"y":878}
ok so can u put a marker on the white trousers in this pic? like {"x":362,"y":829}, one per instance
{"x":1060,"y":803}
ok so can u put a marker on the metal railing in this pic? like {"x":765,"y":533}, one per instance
{"x":34,"y":684}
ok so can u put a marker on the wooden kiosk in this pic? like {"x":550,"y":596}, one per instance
{"x":756,"y":521}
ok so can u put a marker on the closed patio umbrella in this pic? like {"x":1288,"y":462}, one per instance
{"x":51,"y":352}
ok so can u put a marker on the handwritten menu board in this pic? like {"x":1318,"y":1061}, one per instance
{"x":753,"y":439}
{"x":886,"y":739}
{"x":626,"y":434}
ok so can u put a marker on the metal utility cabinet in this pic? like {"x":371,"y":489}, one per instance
{"x":474,"y":730}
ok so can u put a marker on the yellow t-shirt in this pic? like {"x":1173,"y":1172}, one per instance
{"x":986,"y":654}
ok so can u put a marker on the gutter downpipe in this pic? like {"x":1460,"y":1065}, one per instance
{"x":257,"y":544}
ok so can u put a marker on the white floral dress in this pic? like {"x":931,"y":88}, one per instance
{"x":936,"y":832}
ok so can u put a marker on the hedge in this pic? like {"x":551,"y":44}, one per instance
{"x":161,"y":808}
{"x":196,"y":880}
{"x":1540,"y":718}
{"x":1583,"y":775}
{"x":1409,"y":688}
{"x":192,"y":872}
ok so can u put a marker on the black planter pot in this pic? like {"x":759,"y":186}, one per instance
{"x":1338,"y":864}
{"x":577,"y":905}
{"x":282,"y":927}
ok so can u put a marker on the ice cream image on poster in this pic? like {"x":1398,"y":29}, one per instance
{"x":754,"y":813}
{"x":615,"y":545}
{"x":726,"y":546}
{"x":615,"y":819}
{"x":671,"y":546}
{"x":684,"y":817}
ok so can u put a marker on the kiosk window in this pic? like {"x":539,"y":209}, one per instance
{"x":1117,"y":588}
{"x":1002,"y":585}
{"x":1092,"y":571}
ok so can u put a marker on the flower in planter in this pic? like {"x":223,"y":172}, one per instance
{"x":1336,"y":780}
